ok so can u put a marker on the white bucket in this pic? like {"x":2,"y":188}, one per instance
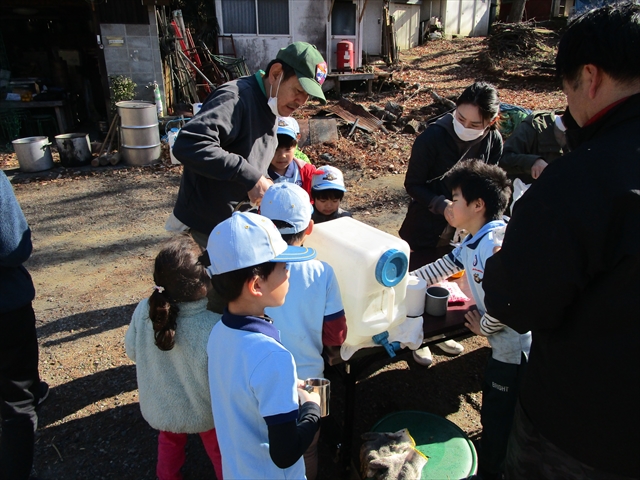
{"x":171,"y":136}
{"x":371,"y":268}
{"x":33,"y":153}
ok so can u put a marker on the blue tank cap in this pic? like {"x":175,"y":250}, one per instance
{"x":391,"y":268}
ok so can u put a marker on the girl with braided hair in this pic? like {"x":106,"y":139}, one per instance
{"x":167,"y":339}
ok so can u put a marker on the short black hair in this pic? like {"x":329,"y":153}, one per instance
{"x":229,"y":285}
{"x":327,"y":194}
{"x":479,"y":180}
{"x":286,"y":141}
{"x":484,"y":96}
{"x":288,"y":70}
{"x":606,"y":37}
{"x":290,"y":238}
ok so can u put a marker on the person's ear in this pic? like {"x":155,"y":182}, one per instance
{"x":274,"y":73}
{"x":309,"y":228}
{"x":254,"y":286}
{"x":593,"y":76}
{"x":479,"y":204}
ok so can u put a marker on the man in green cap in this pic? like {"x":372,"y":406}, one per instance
{"x":228,"y":146}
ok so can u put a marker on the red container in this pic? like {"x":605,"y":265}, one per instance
{"x":345,"y":56}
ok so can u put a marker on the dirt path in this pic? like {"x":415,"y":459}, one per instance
{"x":94,"y":240}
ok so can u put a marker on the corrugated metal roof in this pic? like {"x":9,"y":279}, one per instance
{"x":350,"y":111}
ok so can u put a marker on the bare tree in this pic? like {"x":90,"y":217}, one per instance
{"x":517,"y":11}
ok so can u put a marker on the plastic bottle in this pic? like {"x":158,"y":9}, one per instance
{"x":158,"y":97}
{"x":371,"y":268}
{"x":171,"y":136}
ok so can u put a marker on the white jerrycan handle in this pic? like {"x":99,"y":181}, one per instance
{"x":390,"y":303}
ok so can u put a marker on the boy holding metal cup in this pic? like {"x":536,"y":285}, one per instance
{"x":265,"y":420}
{"x":313,"y":300}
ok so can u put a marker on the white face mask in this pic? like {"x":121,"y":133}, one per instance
{"x":273,"y":101}
{"x":466,"y":134}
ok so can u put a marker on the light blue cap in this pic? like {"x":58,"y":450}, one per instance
{"x":289,"y":203}
{"x":330,"y":179}
{"x":288,"y":126}
{"x":248,"y":239}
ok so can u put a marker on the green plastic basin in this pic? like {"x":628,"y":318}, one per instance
{"x":451,"y":454}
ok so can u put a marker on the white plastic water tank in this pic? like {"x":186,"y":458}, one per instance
{"x":371,"y":267}
{"x":173,"y":133}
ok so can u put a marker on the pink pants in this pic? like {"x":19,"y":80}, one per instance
{"x":171,"y":453}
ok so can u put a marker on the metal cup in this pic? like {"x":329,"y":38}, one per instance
{"x":322,"y":387}
{"x":437,"y":300}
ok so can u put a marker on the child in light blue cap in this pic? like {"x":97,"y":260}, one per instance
{"x":255,"y":395}
{"x":327,"y":191}
{"x":289,"y":164}
{"x":313,"y":300}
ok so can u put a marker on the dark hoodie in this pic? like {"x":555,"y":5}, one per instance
{"x":434,"y":153}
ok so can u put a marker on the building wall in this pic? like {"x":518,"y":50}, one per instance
{"x":134,"y":51}
{"x":538,"y":10}
{"x":307,"y":22}
{"x":467,"y":17}
{"x":407,"y":24}
{"x":372,"y":26}
{"x":431,"y":8}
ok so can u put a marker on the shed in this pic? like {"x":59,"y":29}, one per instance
{"x":257,"y":29}
{"x":73,"y":46}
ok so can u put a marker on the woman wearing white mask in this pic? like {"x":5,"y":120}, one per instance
{"x":469,"y":132}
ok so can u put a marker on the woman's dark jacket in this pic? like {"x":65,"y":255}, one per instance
{"x":434,"y":153}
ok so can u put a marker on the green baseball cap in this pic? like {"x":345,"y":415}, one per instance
{"x":310,"y":67}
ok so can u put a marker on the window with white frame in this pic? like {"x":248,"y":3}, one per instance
{"x":258,"y":17}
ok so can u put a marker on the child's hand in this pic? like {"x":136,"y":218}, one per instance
{"x":473,"y":321}
{"x":304,"y":396}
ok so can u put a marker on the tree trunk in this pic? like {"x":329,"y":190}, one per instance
{"x":517,"y":11}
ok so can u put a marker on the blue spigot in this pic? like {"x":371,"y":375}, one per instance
{"x":383,"y":340}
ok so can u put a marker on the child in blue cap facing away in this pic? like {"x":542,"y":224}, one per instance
{"x":313,"y":300}
{"x":327,"y":191}
{"x":255,"y":393}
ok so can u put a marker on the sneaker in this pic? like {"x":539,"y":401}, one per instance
{"x":43,"y":390}
{"x":423,"y":357}
{"x":451,"y":347}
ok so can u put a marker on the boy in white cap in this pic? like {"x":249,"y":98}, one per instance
{"x":313,"y":300}
{"x":285,"y":167}
{"x":262,"y":430}
{"x":327,"y":191}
